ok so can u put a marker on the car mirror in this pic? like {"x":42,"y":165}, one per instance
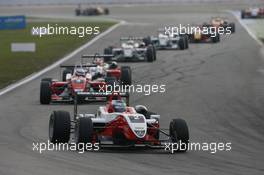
{"x":155,"y":116}
{"x":68,"y":76}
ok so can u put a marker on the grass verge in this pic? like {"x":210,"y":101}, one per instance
{"x":17,"y":65}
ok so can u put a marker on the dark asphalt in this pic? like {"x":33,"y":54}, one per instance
{"x":216,"y":88}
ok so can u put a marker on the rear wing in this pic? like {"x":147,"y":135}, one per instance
{"x":83,"y":64}
{"x":109,"y":95}
{"x":95,"y":56}
{"x":131,"y":38}
{"x":78,"y":66}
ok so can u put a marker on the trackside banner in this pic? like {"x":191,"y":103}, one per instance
{"x":12,"y":22}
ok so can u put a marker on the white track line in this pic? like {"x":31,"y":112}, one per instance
{"x":249,"y":31}
{"x":57,"y":63}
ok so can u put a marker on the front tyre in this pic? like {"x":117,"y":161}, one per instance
{"x":150,"y":54}
{"x":45,"y":92}
{"x":181,"y":43}
{"x":179,"y":132}
{"x":59,"y":127}
{"x":84,"y":130}
{"x":186,"y":42}
{"x":126,"y":75}
{"x":108,"y":51}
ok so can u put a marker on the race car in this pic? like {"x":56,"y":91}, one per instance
{"x":199,"y":36}
{"x":99,"y":69}
{"x":52,"y":90}
{"x":91,"y":11}
{"x":221,"y":22}
{"x":132,"y":49}
{"x":84,"y":77}
{"x":115,"y":124}
{"x":168,"y":41}
{"x":253,"y":12}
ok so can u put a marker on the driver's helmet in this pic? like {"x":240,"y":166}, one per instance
{"x":141,"y":109}
{"x":119,"y":105}
{"x":98,"y":61}
{"x":142,"y":44}
{"x":113,"y":65}
{"x":130,"y":42}
{"x":80,"y":72}
{"x":93,"y":70}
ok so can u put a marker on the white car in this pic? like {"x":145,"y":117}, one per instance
{"x":168,"y":41}
{"x":131,"y":49}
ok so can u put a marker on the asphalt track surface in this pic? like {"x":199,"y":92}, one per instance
{"x":216,"y":88}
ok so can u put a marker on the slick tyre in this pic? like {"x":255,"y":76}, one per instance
{"x":216,"y":39}
{"x":84,"y":130}
{"x":186,"y":42}
{"x":242,"y":14}
{"x":179,"y":132}
{"x":108,"y":51}
{"x":45,"y":92}
{"x":47,"y":79}
{"x":181,"y":43}
{"x":155,"y":53}
{"x":147,"y":40}
{"x":59,"y":127}
{"x":106,"y":11}
{"x":150,"y":54}
{"x":233,"y":27}
{"x":126,"y":75}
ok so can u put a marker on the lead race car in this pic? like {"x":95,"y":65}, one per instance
{"x":82,"y":79}
{"x":115,"y":124}
{"x":164,"y":41}
{"x":131,"y":49}
{"x":100,"y":68}
{"x":91,"y":11}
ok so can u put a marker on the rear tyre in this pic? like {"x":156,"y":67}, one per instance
{"x":47,"y":79}
{"x":106,"y":11}
{"x":233,"y":27}
{"x":64,"y":74}
{"x":45,"y":92}
{"x":84,"y":130}
{"x":126,"y":75}
{"x":150,"y":54}
{"x":155,"y":53}
{"x":108,"y":51}
{"x":147,"y":40}
{"x":181,"y":43}
{"x":59,"y":127}
{"x":216,"y":39}
{"x":186,"y":42}
{"x":179,"y":132}
{"x":77,"y":12}
{"x":242,"y":14}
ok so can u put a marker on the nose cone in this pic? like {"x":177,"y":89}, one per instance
{"x":138,"y":125}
